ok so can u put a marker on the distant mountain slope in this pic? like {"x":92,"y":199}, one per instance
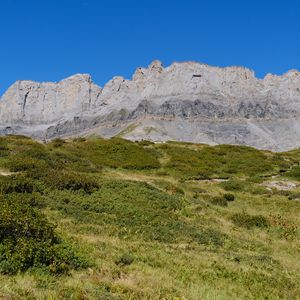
{"x":186,"y":102}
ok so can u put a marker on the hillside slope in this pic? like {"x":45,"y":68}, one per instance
{"x":148,"y":221}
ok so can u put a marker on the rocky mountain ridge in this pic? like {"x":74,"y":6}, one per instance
{"x":186,"y":101}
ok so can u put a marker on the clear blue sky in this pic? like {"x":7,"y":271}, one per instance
{"x":47,"y":40}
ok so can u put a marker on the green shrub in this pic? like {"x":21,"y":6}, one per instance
{"x":293,"y":195}
{"x":16,"y":184}
{"x":62,"y":160}
{"x":70,"y":181}
{"x":169,"y":187}
{"x":229,"y":197}
{"x":218,"y":200}
{"x":199,"y":190}
{"x":294,"y":173}
{"x":145,"y":143}
{"x":124,"y":260}
{"x":208,"y":236}
{"x":56,"y":143}
{"x":222,"y":161}
{"x":249,"y":221}
{"x":287,"y":229}
{"x":222,"y":200}
{"x":79,"y":140}
{"x":116,"y":153}
{"x":257,"y":190}
{"x":233,"y":185}
{"x":3,"y":145}
{"x":4,"y":150}
{"x":134,"y":208}
{"x":236,"y":185}
{"x":281,"y":192}
{"x":18,"y":137}
{"x":28,"y":240}
{"x":36,"y":159}
{"x":20,"y":163}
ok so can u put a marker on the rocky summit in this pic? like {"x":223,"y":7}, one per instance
{"x":187,"y":101}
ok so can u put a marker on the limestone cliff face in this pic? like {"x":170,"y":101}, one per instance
{"x":185,"y":101}
{"x":28,"y":102}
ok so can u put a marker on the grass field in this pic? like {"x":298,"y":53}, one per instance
{"x":113,"y":219}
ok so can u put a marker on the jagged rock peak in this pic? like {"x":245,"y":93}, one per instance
{"x":155,"y":68}
{"x":79,"y":77}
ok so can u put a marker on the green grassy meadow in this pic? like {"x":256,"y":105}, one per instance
{"x":91,"y":218}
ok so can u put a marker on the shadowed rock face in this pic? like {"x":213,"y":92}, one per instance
{"x":185,"y":101}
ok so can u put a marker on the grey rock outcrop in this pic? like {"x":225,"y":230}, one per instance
{"x":185,"y":101}
{"x":32,"y":103}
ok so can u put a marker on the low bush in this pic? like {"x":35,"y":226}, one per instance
{"x":124,"y":260}
{"x":169,"y":187}
{"x":219,"y":200}
{"x":257,"y":189}
{"x":287,"y":229}
{"x":233,"y":185}
{"x":69,"y":180}
{"x":294,"y":195}
{"x":28,"y":240}
{"x":208,"y":236}
{"x":117,"y":153}
{"x":133,"y":208}
{"x":56,"y":143}
{"x":198,"y":190}
{"x":294,"y":172}
{"x":222,"y":161}
{"x":229,"y":197}
{"x":16,"y":184}
{"x":20,"y":163}
{"x":4,"y":150}
{"x":249,"y":221}
{"x":145,"y":143}
{"x":236,"y":185}
{"x":79,"y":140}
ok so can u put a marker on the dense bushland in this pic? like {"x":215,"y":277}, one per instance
{"x":70,"y":180}
{"x":222,"y":161}
{"x":249,"y":221}
{"x":115,"y":153}
{"x":28,"y":240}
{"x":134,"y":209}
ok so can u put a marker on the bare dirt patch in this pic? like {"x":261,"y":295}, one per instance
{"x":281,"y":185}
